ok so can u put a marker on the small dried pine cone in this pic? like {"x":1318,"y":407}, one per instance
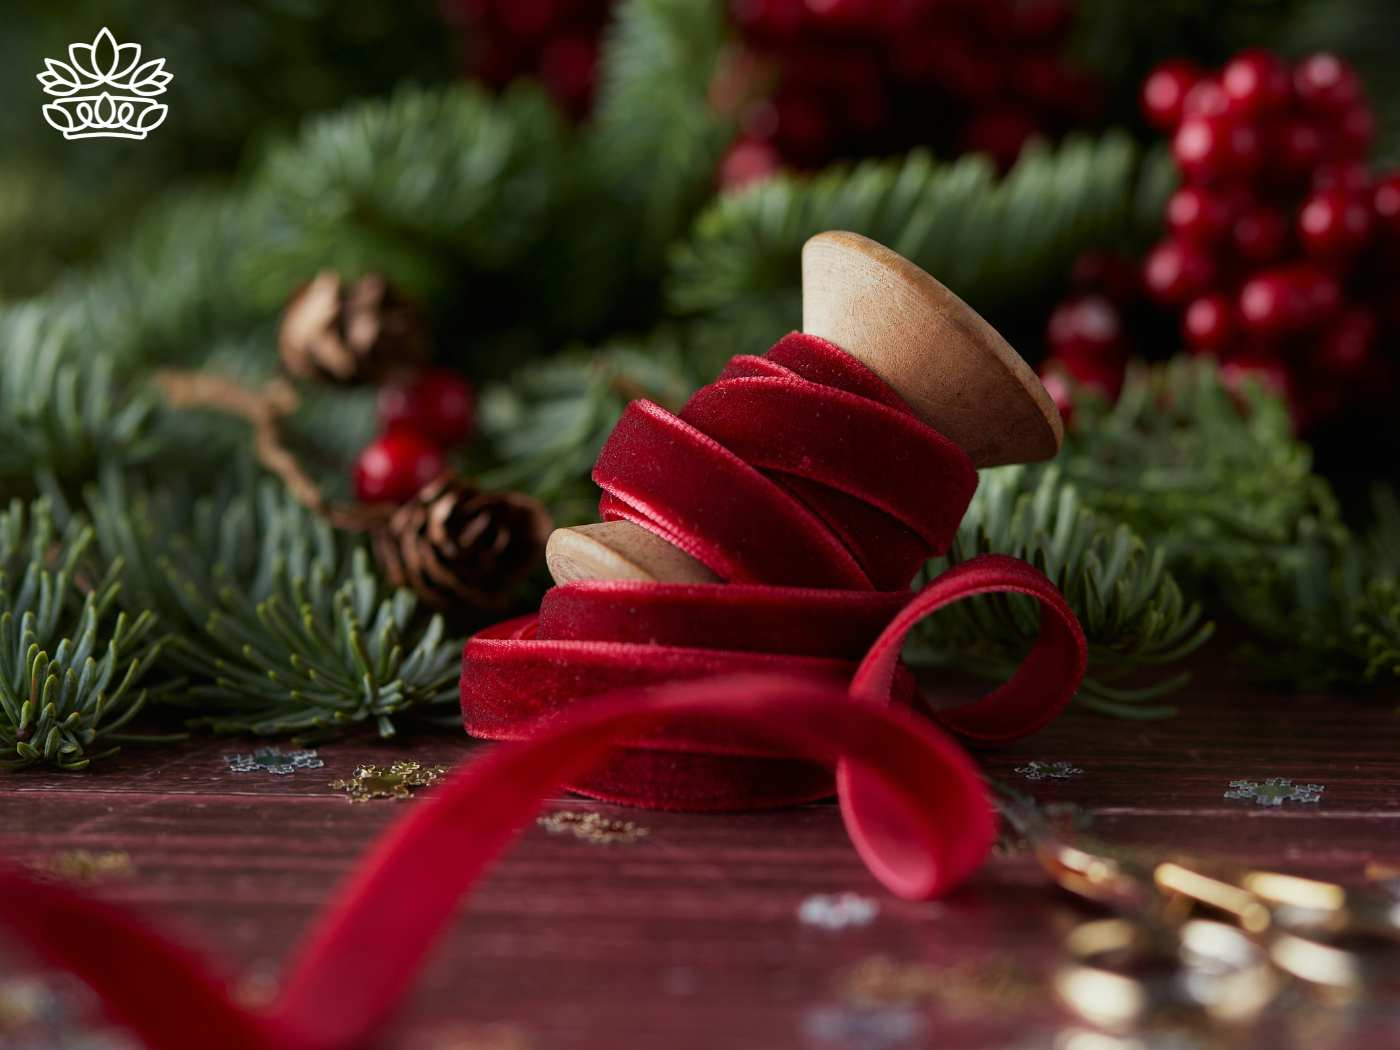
{"x":455,"y":545}
{"x":350,"y":332}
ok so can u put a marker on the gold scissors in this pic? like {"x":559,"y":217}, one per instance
{"x":1206,"y":940}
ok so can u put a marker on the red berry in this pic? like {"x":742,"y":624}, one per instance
{"x":1060,"y":388}
{"x":1256,"y":82}
{"x":1105,"y":376}
{"x":1346,"y":347}
{"x":1110,"y":273}
{"x":566,"y":68}
{"x":1259,"y":234}
{"x":1205,"y":99}
{"x":1210,"y":148}
{"x":393,"y":467}
{"x":1385,"y":202}
{"x":437,"y":403}
{"x":1352,"y":175}
{"x":1250,"y":369}
{"x":1334,"y":223}
{"x":1209,"y":322}
{"x":1356,"y":132}
{"x":1299,"y":147}
{"x":747,"y":161}
{"x":1164,"y":91}
{"x":1326,"y":84}
{"x":1198,"y":215}
{"x":999,"y":132}
{"x":1177,"y":271}
{"x":1272,"y":302}
{"x":1322,"y":294}
{"x":1086,"y":327}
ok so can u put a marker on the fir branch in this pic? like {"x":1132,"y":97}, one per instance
{"x":1213,"y":476}
{"x":1132,"y":610}
{"x":61,"y":412}
{"x":279,"y":621}
{"x":547,"y":425}
{"x":1329,"y":604}
{"x":657,"y":136}
{"x":71,"y":667}
{"x":419,"y":187}
{"x":992,"y":241}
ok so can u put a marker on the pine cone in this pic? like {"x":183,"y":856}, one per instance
{"x":454,"y":544}
{"x":350,"y":332}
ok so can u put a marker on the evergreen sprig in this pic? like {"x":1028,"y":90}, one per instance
{"x":61,"y":412}
{"x":279,"y":623}
{"x":657,"y":135}
{"x":992,"y":240}
{"x":548,"y":423}
{"x":1133,"y":612}
{"x":71,"y":665}
{"x":421,"y":186}
{"x":1213,"y":475}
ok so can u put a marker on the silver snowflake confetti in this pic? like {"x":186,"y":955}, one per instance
{"x":863,"y":1027}
{"x":1049,"y":770}
{"x":837,"y":911}
{"x":1275,"y":791}
{"x":271,"y":760}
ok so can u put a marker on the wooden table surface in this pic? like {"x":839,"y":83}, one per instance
{"x":690,"y":937}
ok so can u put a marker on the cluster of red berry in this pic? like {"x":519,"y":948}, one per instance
{"x":554,"y":41}
{"x":852,"y":78}
{"x":1277,"y":242}
{"x":420,"y":418}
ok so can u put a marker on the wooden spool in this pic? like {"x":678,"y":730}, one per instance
{"x":953,"y":368}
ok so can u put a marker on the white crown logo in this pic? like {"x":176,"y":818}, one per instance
{"x":104,"y":90}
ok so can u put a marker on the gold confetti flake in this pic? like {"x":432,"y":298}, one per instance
{"x":962,"y":989}
{"x":396,"y":781}
{"x":474,"y":1037}
{"x":593,"y":827}
{"x":86,"y":866}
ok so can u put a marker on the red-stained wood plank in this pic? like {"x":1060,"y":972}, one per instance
{"x":690,"y":938}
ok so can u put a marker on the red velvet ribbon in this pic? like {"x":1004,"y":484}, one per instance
{"x":805,"y":481}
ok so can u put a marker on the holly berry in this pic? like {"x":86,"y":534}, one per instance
{"x":1346,"y":347}
{"x":1209,"y":148}
{"x":1385,"y":202}
{"x":1205,"y":99}
{"x":1199,"y":215}
{"x":1110,"y":273}
{"x":1356,"y":132}
{"x":1061,"y":390}
{"x":1351,"y":175}
{"x":748,"y":161}
{"x":1272,"y":302}
{"x":437,"y":403}
{"x":1259,"y":234}
{"x":1334,"y":223}
{"x":1177,"y":271}
{"x":1209,"y":322}
{"x":1247,"y":369}
{"x":1088,"y":327}
{"x":1299,"y":146}
{"x":395,"y":466}
{"x":1326,"y":84}
{"x":1164,"y":92}
{"x":1256,"y":83}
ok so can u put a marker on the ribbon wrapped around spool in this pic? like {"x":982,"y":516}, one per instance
{"x":802,"y":477}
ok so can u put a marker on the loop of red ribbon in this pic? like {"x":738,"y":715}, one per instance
{"x":805,"y":481}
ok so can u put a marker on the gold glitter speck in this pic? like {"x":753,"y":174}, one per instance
{"x":592,"y":827}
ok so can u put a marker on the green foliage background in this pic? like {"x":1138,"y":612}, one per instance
{"x":144,"y":565}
